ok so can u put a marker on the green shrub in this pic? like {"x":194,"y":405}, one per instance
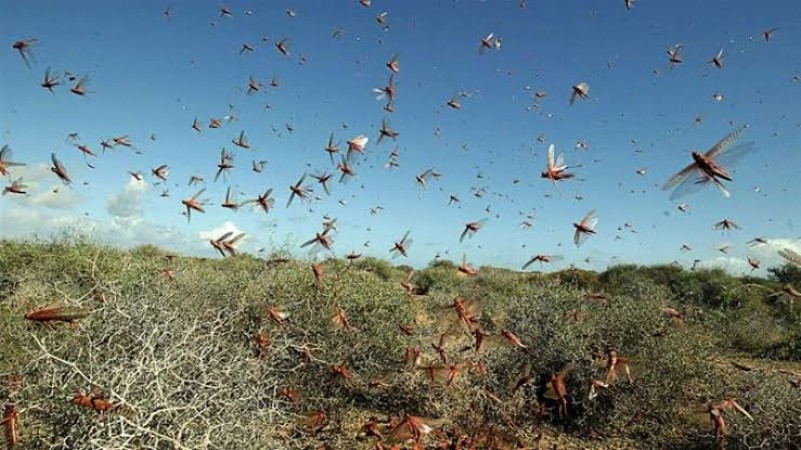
{"x":788,"y":273}
{"x":442,"y":264}
{"x":578,"y":278}
{"x":380,"y":268}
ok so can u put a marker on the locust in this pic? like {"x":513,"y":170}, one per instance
{"x":57,"y":313}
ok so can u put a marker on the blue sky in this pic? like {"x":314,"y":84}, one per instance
{"x":150,"y":75}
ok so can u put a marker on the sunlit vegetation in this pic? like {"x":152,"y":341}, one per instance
{"x":241,"y":352}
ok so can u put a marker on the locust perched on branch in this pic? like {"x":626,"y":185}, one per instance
{"x":56,"y":313}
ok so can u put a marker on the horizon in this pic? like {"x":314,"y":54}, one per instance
{"x":639,"y":127}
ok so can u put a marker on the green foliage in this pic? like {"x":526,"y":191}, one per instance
{"x":581,"y":279}
{"x":181,"y":356}
{"x":438,"y":278}
{"x":443,"y":264}
{"x":147,"y":251}
{"x":788,"y":273}
{"x":378,"y":267}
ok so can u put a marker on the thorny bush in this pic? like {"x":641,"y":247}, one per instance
{"x":181,"y":359}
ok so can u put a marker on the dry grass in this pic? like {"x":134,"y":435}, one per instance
{"x":180,"y":359}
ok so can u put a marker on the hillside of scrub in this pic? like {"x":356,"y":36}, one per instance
{"x":190,"y":353}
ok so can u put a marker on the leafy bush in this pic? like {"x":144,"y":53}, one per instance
{"x":578,"y":278}
{"x":442,"y":264}
{"x":788,"y":273}
{"x":380,"y":268}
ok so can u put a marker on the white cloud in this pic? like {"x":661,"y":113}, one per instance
{"x":43,"y":189}
{"x":128,"y":203}
{"x":24,"y":222}
{"x":32,"y":174}
{"x":47,"y":214}
{"x":219,"y":231}
{"x":767,"y":255}
{"x":130,"y":231}
{"x":56,"y":196}
{"x":735,"y":266}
